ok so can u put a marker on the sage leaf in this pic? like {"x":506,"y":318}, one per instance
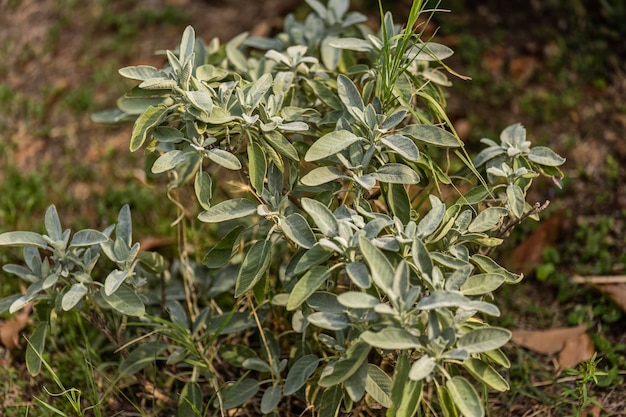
{"x":254,"y":266}
{"x":484,"y":339}
{"x":381,"y":270}
{"x":238,"y":393}
{"x":431,"y":135}
{"x":486,"y":374}
{"x":331,"y":398}
{"x":224,"y":158}
{"x":487,"y":219}
{"x":402,"y":145}
{"x":34,"y":350}
{"x":422,"y":368}
{"x":545,"y":156}
{"x":148,"y":120}
{"x":73,"y":296}
{"x":124,"y":300}
{"x":396,"y":174}
{"x":228,"y":210}
{"x":321,"y":175}
{"x":139,"y":358}
{"x":219,"y":254}
{"x":322,"y":216}
{"x":297,"y":229}
{"x":257,"y":166}
{"x":480,"y":284}
{"x":87,"y":237}
{"x":328,"y":321}
{"x":21,"y":239}
{"x":307,"y":285}
{"x":378,"y":385}
{"x":330,"y":144}
{"x":271,"y":398}
{"x":346,"y":367}
{"x":300,"y":372}
{"x":391,"y":338}
{"x":465,"y":397}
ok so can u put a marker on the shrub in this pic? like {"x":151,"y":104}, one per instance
{"x":349,"y":267}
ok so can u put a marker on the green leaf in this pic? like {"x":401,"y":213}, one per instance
{"x":484,"y":339}
{"x":325,"y":94}
{"x":257,"y":166}
{"x":353,"y":44}
{"x":422,"y":368}
{"x":429,"y":51}
{"x":396,"y":174}
{"x":73,"y":296}
{"x":410,"y":399}
{"x":139,"y":358}
{"x":139,"y":72}
{"x":238,"y":393}
{"x":228,"y":210}
{"x":300,"y":372}
{"x":187,"y":43}
{"x":359,"y":274}
{"x":358,"y":300}
{"x":322,"y":216}
{"x":355,"y":384}
{"x":297,"y":230}
{"x":53,"y":224}
{"x":168,"y":161}
{"x":487,"y":219}
{"x":398,"y":382}
{"x":516,"y":200}
{"x":6,"y":302}
{"x":391,"y":338}
{"x":254,"y":266}
{"x":224,"y":158}
{"x":480,"y":284}
{"x":256,"y":364}
{"x":402,"y":145}
{"x":148,"y":120}
{"x":114,"y":280}
{"x":21,"y":239}
{"x":378,"y":385}
{"x":330,"y":144}
{"x":331,"y":400}
{"x":488,"y":265}
{"x":350,"y":96}
{"x":465,"y":397}
{"x":314,"y":256}
{"x":281,"y":145}
{"x":486,"y":374}
{"x":432,"y":135}
{"x":87,"y":237}
{"x":432,"y":220}
{"x":398,"y":201}
{"x":235,"y":56}
{"x":321,"y":175}
{"x":125,"y":301}
{"x":218,"y":255}
{"x":271,"y":398}
{"x":328,"y":321}
{"x":124,"y":226}
{"x":346,"y":367}
{"x":190,"y":402}
{"x":545,"y":156}
{"x":34,"y":350}
{"x":307,"y":285}
{"x":381,"y":270}
{"x":202,"y":187}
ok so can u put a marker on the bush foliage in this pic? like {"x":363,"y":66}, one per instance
{"x":347,"y":231}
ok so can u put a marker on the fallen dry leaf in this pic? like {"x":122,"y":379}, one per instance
{"x":547,"y":341}
{"x":576,"y":349}
{"x":10,"y":329}
{"x":592,"y":411}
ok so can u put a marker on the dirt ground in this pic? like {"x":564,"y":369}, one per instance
{"x":563,"y":77}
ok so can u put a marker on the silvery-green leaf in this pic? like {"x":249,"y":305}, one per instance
{"x":21,"y":239}
{"x":480,"y":284}
{"x":498,"y":357}
{"x":432,"y":220}
{"x":234,"y":55}
{"x":321,"y":175}
{"x":125,"y":300}
{"x":201,"y":100}
{"x":487,"y":219}
{"x":355,"y":384}
{"x":224,"y":158}
{"x":381,"y":270}
{"x":219,"y":254}
{"x":168,"y":161}
{"x":140,"y":72}
{"x":366,"y":181}
{"x":187,"y":43}
{"x":307,"y":285}
{"x":359,"y":274}
{"x":300,"y":372}
{"x":146,"y":354}
{"x":332,"y":396}
{"x":256,"y":364}
{"x":391,"y":338}
{"x":458,"y":278}
{"x":396,"y":174}
{"x":545,"y":156}
{"x":402,"y":145}
{"x":271,"y":398}
{"x":422,"y":368}
{"x":329,"y":54}
{"x":429,"y":51}
{"x":488,"y":265}
{"x":297,"y":229}
{"x":294,"y":127}
{"x":484,"y":339}
{"x":325,"y":301}
{"x":516,"y":200}
{"x":330,"y":144}
{"x":465,"y":397}
{"x":148,"y":120}
{"x":314,"y":256}
{"x":353,"y":44}
{"x":281,"y":145}
{"x":22,"y":272}
{"x":73,"y":296}
{"x":237,"y":394}
{"x":257,"y":166}
{"x":322,"y":217}
{"x":254,"y":266}
{"x":87,"y":237}
{"x":6,"y":302}
{"x":202,"y":186}
{"x":228,"y":210}
{"x":328,"y":321}
{"x":378,"y":385}
{"x":159,"y":83}
{"x":53,"y":224}
{"x":350,"y":96}
{"x":431,"y":135}
{"x":258,"y":89}
{"x":35,"y":348}
{"x":324,"y":93}
{"x":443,"y":299}
{"x":486,"y":374}
{"x":346,"y":367}
{"x":358,"y":300}
{"x":114,"y":280}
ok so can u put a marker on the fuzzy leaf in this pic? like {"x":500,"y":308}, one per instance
{"x":480,"y":284}
{"x":402,"y":145}
{"x":328,"y":321}
{"x":432,"y":135}
{"x":36,"y":345}
{"x":422,"y":368}
{"x":545,"y":156}
{"x":238,"y":393}
{"x":378,"y":385}
{"x":297,"y":229}
{"x":125,"y":300}
{"x":218,"y":255}
{"x":300,"y":372}
{"x":381,"y":270}
{"x":271,"y":398}
{"x":254,"y":266}
{"x":224,"y":158}
{"x":148,"y":120}
{"x":487,"y":219}
{"x":330,"y":144}
{"x":391,"y":338}
{"x":21,"y":239}
{"x":483,"y":339}
{"x":465,"y":397}
{"x":346,"y":367}
{"x":486,"y":374}
{"x":321,"y":175}
{"x":306,"y":286}
{"x":257,"y":166}
{"x":73,"y":296}
{"x":323,"y":218}
{"x":228,"y":210}
{"x":396,"y":174}
{"x":87,"y":237}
